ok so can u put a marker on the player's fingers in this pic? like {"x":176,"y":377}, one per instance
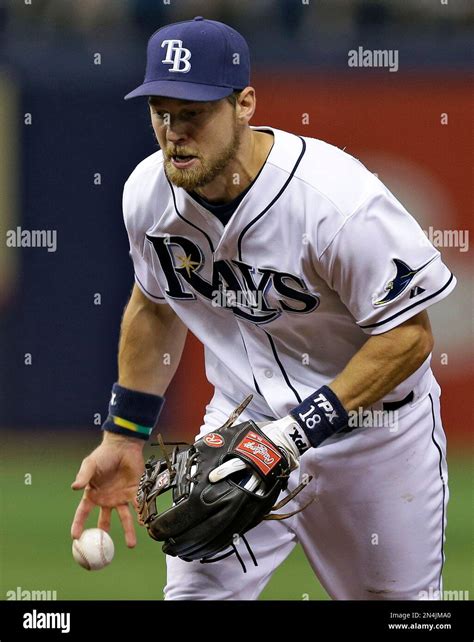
{"x":104,"y":519}
{"x":80,"y":517}
{"x":135,"y":504}
{"x":85,"y":473}
{"x":226,"y":469}
{"x":127,"y":525}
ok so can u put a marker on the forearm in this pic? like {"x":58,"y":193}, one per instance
{"x":383,"y":362}
{"x":152,"y":339}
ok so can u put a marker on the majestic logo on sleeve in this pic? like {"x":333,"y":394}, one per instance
{"x":259,"y":295}
{"x":402,"y":279}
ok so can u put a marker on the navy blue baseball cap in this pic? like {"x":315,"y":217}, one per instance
{"x":198,"y":60}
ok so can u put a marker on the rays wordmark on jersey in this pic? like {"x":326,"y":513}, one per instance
{"x":258,"y":294}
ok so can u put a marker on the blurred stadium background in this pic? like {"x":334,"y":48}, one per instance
{"x":69,"y":141}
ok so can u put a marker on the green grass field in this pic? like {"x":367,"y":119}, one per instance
{"x":36,"y":546}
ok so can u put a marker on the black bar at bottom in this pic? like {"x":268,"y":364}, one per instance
{"x":208,"y":621}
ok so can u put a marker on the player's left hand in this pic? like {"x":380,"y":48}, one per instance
{"x":282,"y":433}
{"x":109,"y":477}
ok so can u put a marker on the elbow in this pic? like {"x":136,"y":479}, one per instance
{"x":420,"y":325}
{"x":429,"y":344}
{"x":412,"y":344}
{"x":422,"y":346}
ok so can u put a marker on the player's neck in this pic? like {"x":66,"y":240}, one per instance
{"x":249,"y":160}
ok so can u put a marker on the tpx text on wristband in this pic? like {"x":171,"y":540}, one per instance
{"x":320,"y":415}
{"x":132,"y":413}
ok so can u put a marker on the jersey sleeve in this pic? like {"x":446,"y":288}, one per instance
{"x":382,"y":265}
{"x":139,"y":247}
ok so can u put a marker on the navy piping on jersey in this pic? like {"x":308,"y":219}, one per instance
{"x":247,"y":353}
{"x":444,"y":490}
{"x":186,"y":220}
{"x":256,"y":385}
{"x":375,"y":325}
{"x":160,"y":298}
{"x":254,"y":220}
{"x":283,"y":371}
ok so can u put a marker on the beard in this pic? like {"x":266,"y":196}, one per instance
{"x":206,"y":170}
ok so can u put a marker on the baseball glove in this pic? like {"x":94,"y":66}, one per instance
{"x":206,"y":518}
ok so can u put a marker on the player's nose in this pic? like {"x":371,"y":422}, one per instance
{"x":176,"y":134}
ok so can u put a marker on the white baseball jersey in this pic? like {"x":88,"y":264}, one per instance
{"x":318,"y":256}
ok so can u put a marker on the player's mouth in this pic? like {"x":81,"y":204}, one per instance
{"x":183,"y":162}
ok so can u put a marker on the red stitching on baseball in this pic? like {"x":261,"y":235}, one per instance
{"x":101,"y":548}
{"x":79,"y":550}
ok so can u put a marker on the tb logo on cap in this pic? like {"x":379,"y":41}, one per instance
{"x":175,"y":55}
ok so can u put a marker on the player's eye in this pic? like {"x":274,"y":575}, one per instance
{"x":188,"y":115}
{"x":161,"y":115}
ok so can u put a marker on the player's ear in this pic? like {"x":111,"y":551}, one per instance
{"x":246,"y":104}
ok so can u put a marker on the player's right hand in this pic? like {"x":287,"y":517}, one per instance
{"x":278,"y":432}
{"x":109,"y":477}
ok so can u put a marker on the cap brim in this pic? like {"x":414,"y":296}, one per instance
{"x":180,"y":90}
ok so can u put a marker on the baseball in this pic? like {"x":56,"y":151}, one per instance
{"x":93,"y":550}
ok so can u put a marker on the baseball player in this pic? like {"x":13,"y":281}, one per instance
{"x":307,"y":282}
